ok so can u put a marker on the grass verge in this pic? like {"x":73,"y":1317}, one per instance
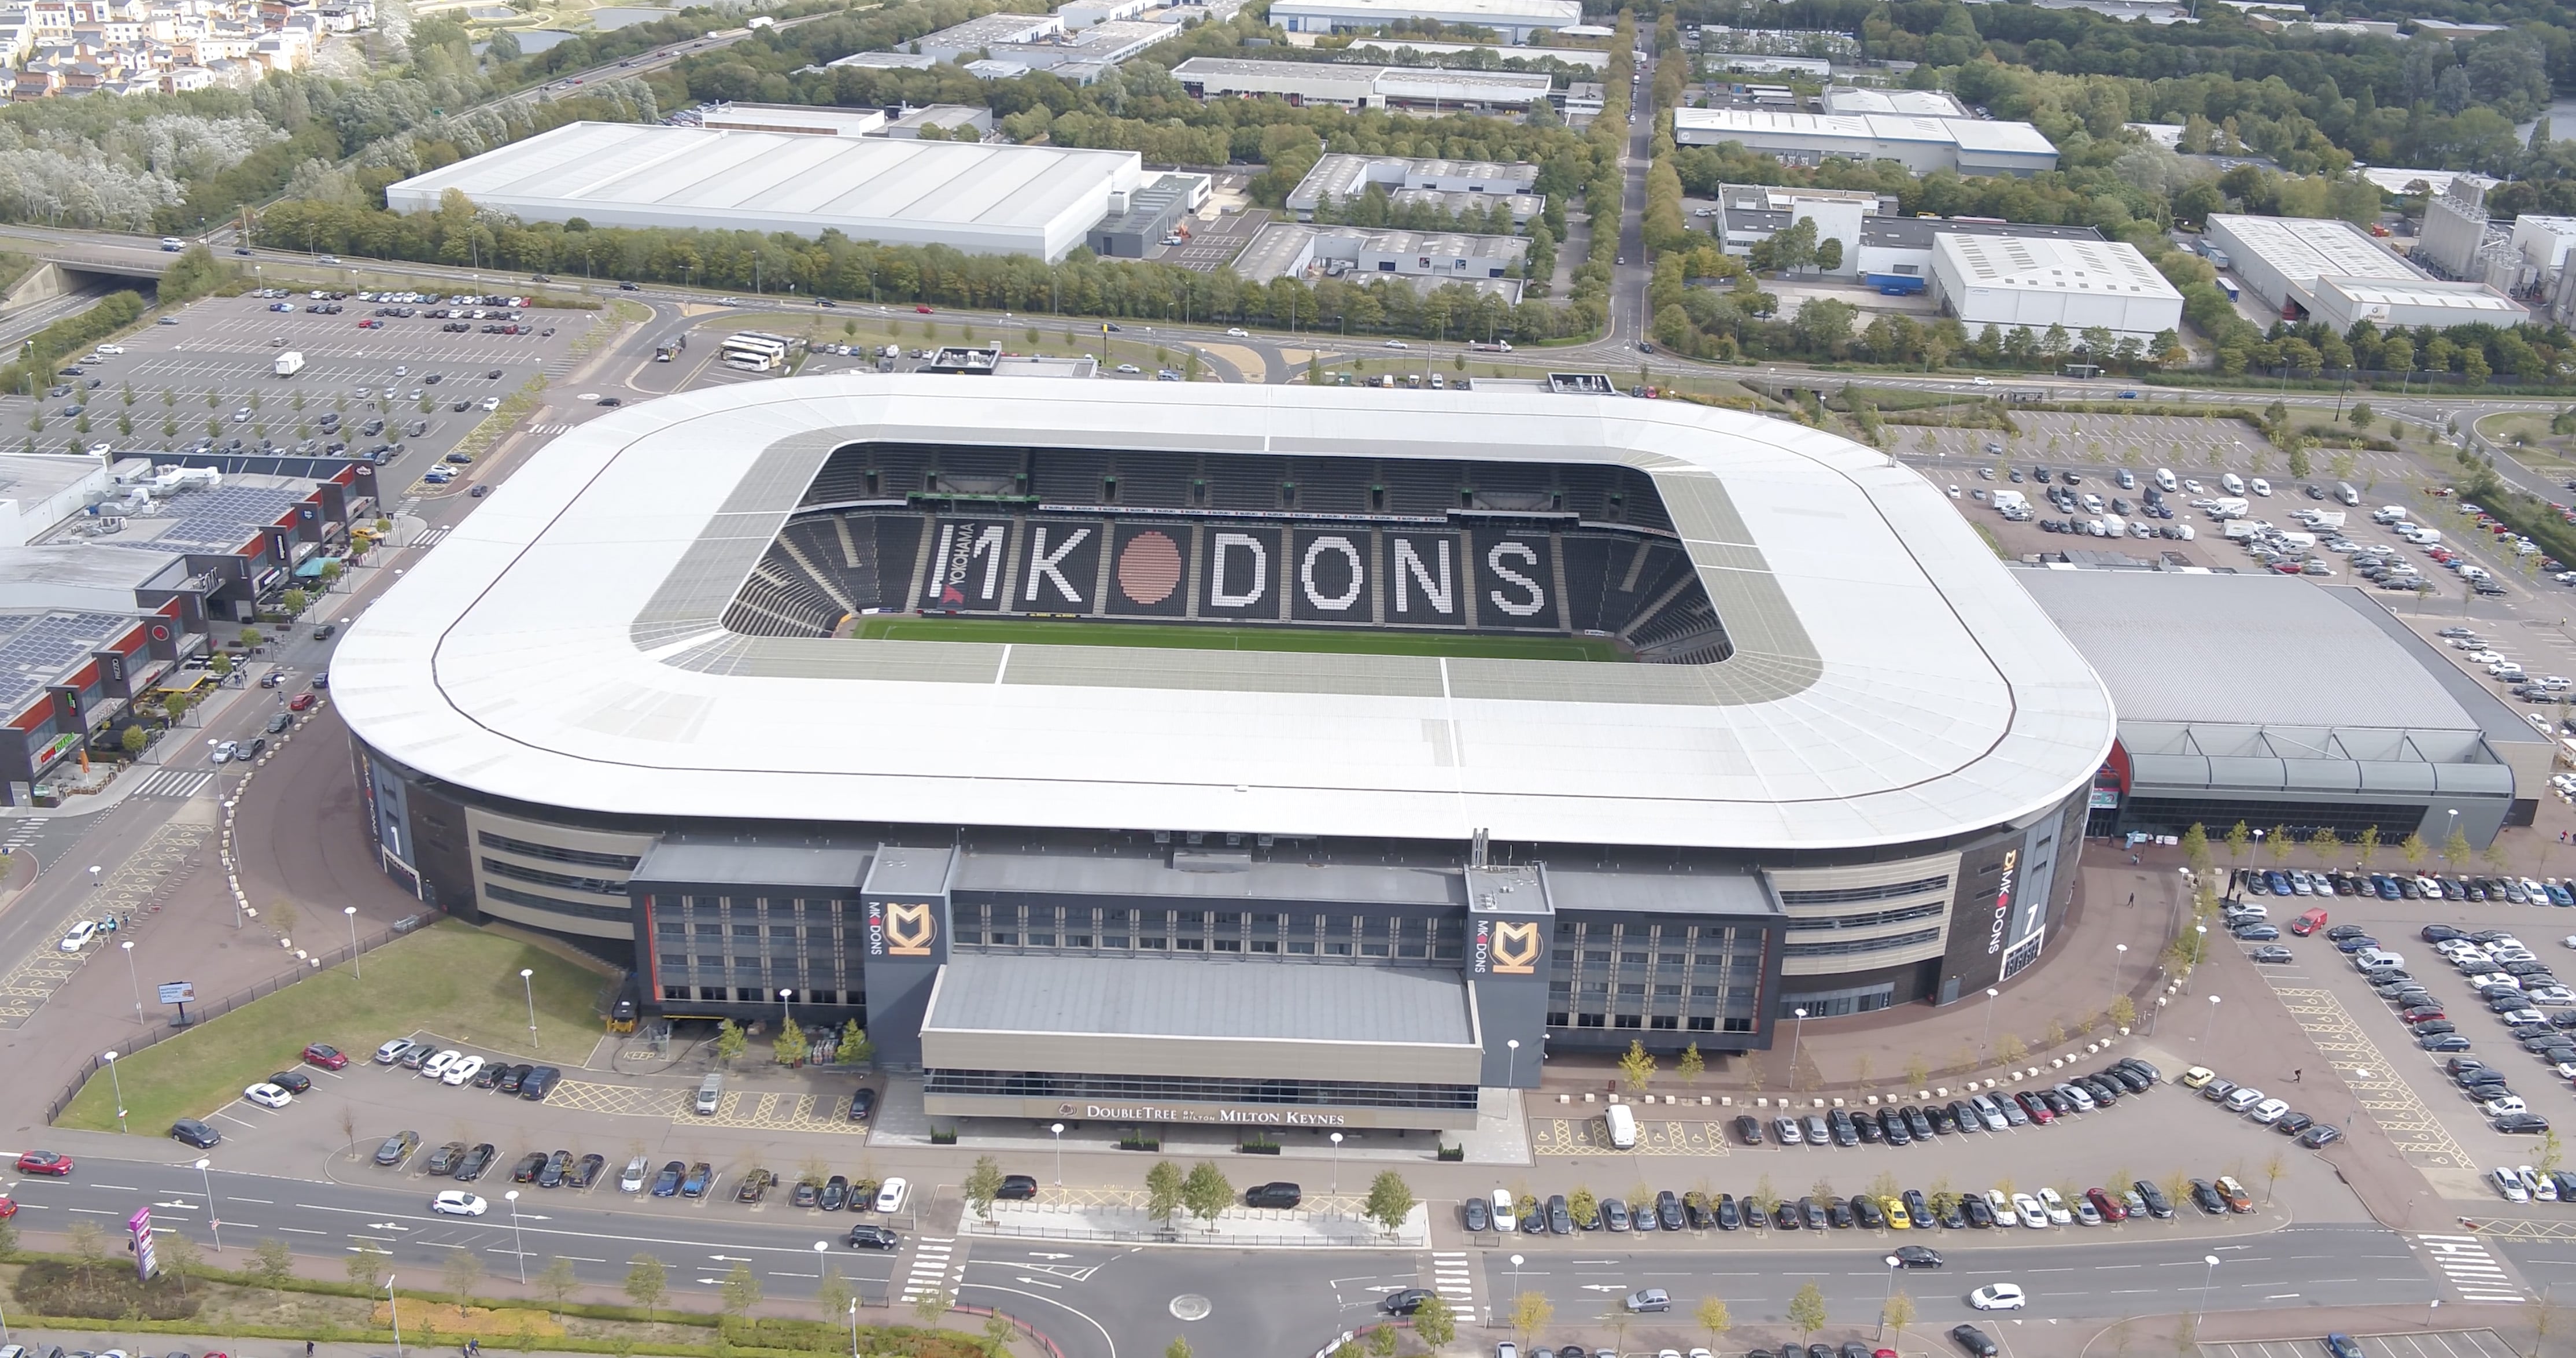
{"x":1037,"y":632}
{"x":449,"y":979}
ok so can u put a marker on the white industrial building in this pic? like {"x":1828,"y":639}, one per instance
{"x":1408,"y":87}
{"x":1291,"y":250}
{"x":1899,"y":103}
{"x":1922,"y":143}
{"x":2009,"y":281}
{"x":888,"y":61}
{"x":969,"y":39}
{"x":2288,"y":261}
{"x":799,"y":119}
{"x":1513,"y":20}
{"x":2340,"y":303}
{"x":980,"y":199}
{"x":1343,"y":176}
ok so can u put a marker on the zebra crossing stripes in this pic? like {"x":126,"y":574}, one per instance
{"x":432,"y":538}
{"x":175,"y":783}
{"x":549,"y":430}
{"x":1454,"y":1278}
{"x":934,"y":1269}
{"x":2464,"y":1260}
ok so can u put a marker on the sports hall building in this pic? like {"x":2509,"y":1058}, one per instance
{"x":1274,"y":755}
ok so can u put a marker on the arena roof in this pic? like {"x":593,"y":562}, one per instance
{"x":564,"y":646}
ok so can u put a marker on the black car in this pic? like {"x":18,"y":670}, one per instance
{"x":292,"y":1081}
{"x":2291,"y":1124}
{"x":538,"y":1083}
{"x":1476,"y":1214}
{"x":472,"y":1164}
{"x":1974,"y":1340}
{"x":874,"y":1238}
{"x":195,"y":1133}
{"x":1748,"y":1129}
{"x":2205,"y":1196}
{"x":1729,"y":1215}
{"x":2320,"y":1135}
{"x":1406,"y":1301}
{"x":1259,"y":1195}
{"x":2440,"y":933}
{"x":836,"y":1193}
{"x":1022,"y":1187}
{"x":398,"y":1148}
{"x":1870,"y":1215}
{"x":528,"y":1168}
{"x":442,"y":1162}
{"x":1668,"y":1210}
{"x":511,"y":1078}
{"x":1978,"y":1213}
{"x":1560,"y":1221}
{"x":1917,"y":1256}
{"x":863,"y":1105}
{"x":667,"y":1183}
{"x":552,"y":1176}
{"x":2340,"y":932}
{"x":1916,"y":1207}
{"x":1844,"y":1133}
{"x":585,"y":1171}
{"x":1785,"y":1216}
{"x":490,"y":1076}
{"x":2525,"y":1124}
{"x":1871,"y":1133}
{"x":2158,"y":1206}
{"x":1892,"y":1124}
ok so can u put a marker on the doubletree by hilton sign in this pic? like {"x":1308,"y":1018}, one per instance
{"x":1157,"y":1112}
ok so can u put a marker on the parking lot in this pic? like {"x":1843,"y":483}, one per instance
{"x":211,"y":373}
{"x":2429,"y":1344}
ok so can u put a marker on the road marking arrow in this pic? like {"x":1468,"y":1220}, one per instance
{"x":1034,"y":1254}
{"x":1603,"y":1287}
{"x":710,"y":1281}
{"x":730,"y":1259}
{"x":386,"y":1226}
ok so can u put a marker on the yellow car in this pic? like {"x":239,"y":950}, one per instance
{"x":1897,"y":1220}
{"x":2197,"y":1076}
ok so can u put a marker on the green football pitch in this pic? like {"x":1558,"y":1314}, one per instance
{"x":1041,"y":632}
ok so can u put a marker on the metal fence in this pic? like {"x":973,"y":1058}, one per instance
{"x":208,"y":1010}
{"x":1175,"y":1236}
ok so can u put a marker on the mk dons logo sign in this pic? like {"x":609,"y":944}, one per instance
{"x":1507,"y":947}
{"x":898,"y":930}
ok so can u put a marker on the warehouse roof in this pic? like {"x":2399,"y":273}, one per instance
{"x":2427,"y":292}
{"x":1557,"y":12}
{"x":565,"y":645}
{"x":783,"y":181}
{"x":2051,"y":264}
{"x":2304,"y":248}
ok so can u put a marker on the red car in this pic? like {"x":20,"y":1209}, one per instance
{"x":45,"y":1162}
{"x":922,"y":309}
{"x":371,"y":323}
{"x":299,"y":702}
{"x":2040,"y":1113}
{"x":2308,"y":923}
{"x":8,"y":1206}
{"x":328,"y":1058}
{"x":2111,"y":1208}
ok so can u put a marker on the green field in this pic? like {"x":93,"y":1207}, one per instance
{"x":450,"y":979}
{"x":1312,"y":640}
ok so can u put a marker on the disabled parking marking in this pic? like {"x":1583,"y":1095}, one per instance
{"x":2383,"y":1094}
{"x":1584,"y":1136}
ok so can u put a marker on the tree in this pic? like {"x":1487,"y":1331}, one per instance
{"x":1712,"y":1318}
{"x":133,"y":739}
{"x":2124,"y":1012}
{"x":791,"y":1046}
{"x":1162,"y":1190}
{"x":89,"y":1249}
{"x":1637,"y":1067}
{"x":1382,"y":1341}
{"x":1434,"y":1323}
{"x":832,"y":1296}
{"x":2279,"y":844}
{"x":1206,"y":1192}
{"x":250,"y":636}
{"x":2366,"y":845}
{"x":2551,"y":1153}
{"x":855,"y":1048}
{"x":1530,"y":1312}
{"x":221,"y":664}
{"x":177,"y":1253}
{"x":2011,"y":1049}
{"x":293,"y":600}
{"x":2240,"y":837}
{"x":1583,"y":1207}
{"x":2413,"y":849}
{"x":646,"y":1281}
{"x":366,"y":1268}
{"x":558,"y":1283}
{"x":998,"y":1333}
{"x":2325,"y":844}
{"x":1898,"y":1313}
{"x":730,"y":1042}
{"x":983,"y":1183}
{"x":1390,"y":1200}
{"x":1691,"y":1064}
{"x":1807,"y":1310}
{"x":740,"y":1290}
{"x":2456,"y":850}
{"x":461,"y":1272}
{"x":1178,"y":1348}
{"x":2359,"y":415}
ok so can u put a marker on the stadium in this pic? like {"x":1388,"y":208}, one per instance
{"x":1264,"y":755}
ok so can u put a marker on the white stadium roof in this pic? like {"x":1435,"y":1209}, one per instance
{"x":1890,"y":682}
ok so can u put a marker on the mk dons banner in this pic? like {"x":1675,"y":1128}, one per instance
{"x":1236,"y":573}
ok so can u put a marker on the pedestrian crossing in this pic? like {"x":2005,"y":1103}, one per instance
{"x":549,"y":430}
{"x":21,"y":835}
{"x":2464,"y":1260}
{"x":174,"y":783}
{"x":433,"y":537}
{"x":1453,"y":1276}
{"x":935,"y":1270}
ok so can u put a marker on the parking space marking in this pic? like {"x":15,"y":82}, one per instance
{"x":132,"y":890}
{"x":740,"y":1109}
{"x":2384,"y":1095}
{"x":1583,"y":1136}
{"x":2473,"y":1272}
{"x":2431,"y":1344}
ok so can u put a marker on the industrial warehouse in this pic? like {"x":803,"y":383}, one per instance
{"x":1528,"y":723}
{"x":1923,"y":144}
{"x":976,"y":198}
{"x":2332,"y":270}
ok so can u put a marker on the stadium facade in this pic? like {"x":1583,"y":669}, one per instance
{"x":1523,"y":723}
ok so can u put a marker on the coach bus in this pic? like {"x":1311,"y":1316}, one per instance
{"x":753,"y":351}
{"x":670,"y":348}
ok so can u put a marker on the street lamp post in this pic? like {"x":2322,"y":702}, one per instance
{"x":2119,"y":959}
{"x":784,"y":995}
{"x":1987,"y":1042}
{"x":133,"y":980}
{"x":1337,"y":1164}
{"x":395,"y":1304}
{"x":527,"y":979}
{"x":1797,"y":1029}
{"x":118,"y":1086}
{"x":1890,"y":1298}
{"x":352,"y":912}
{"x":214,"y":1219}
{"x":1511,"y":1062}
{"x":2159,"y":1013}
{"x":518,"y":1245}
{"x":2206,"y":1278}
{"x":2211,"y":1027}
{"x":2356,"y":1101}
{"x":1058,"y":1129}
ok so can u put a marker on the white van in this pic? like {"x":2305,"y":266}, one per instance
{"x":710,"y":1093}
{"x":2165,"y":481}
{"x":2260,"y":486}
{"x":2374,"y":959}
{"x":2345,"y":493}
{"x":1622,"y":1122}
{"x":2235,"y":484}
